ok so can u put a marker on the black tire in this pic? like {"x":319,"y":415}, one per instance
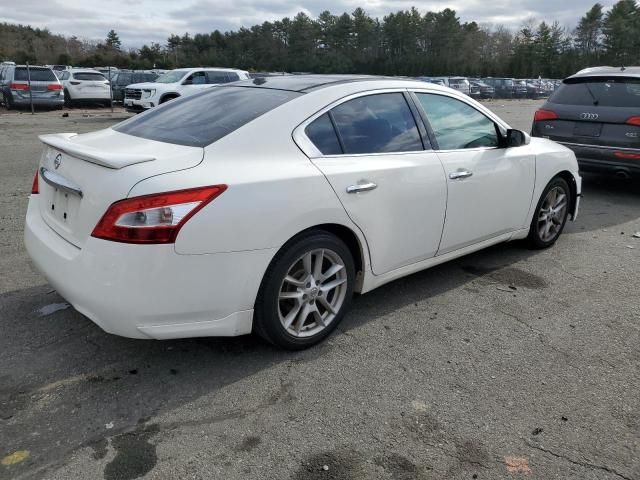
{"x":267,"y":322}
{"x":67,"y":100}
{"x":8,"y":102}
{"x":535,"y":238}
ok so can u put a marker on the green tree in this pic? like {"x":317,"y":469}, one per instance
{"x":113,"y":40}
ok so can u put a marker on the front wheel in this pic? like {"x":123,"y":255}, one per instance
{"x":306,"y":291}
{"x":551,"y":214}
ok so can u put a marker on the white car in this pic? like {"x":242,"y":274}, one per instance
{"x":177,"y":83}
{"x":263,"y":205}
{"x":85,"y":85}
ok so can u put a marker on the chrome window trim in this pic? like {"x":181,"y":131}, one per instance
{"x":311,"y":151}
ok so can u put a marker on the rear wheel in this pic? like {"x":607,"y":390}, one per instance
{"x":305,"y":292}
{"x":8,"y":101}
{"x":551,"y":214}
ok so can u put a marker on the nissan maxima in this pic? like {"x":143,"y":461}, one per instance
{"x":264,"y":205}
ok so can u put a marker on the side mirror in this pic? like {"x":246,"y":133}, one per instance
{"x":516,"y":138}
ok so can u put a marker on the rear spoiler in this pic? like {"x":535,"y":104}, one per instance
{"x":64,"y":143}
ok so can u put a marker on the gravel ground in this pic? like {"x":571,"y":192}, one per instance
{"x":507,"y":363}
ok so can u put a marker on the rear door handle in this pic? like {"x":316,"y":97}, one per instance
{"x":460,"y":173}
{"x":361,"y":187}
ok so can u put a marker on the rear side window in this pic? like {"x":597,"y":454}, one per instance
{"x":204,"y":118}
{"x":89,"y":76}
{"x":323,"y":135}
{"x":604,"y":92}
{"x":377,"y":124}
{"x":456,"y":124}
{"x":218,"y":77}
{"x":37,"y":74}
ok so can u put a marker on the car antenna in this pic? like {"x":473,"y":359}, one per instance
{"x":622,"y":68}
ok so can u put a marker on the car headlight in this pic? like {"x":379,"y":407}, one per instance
{"x":148,"y":93}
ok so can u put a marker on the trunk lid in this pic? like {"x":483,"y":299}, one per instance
{"x":81,"y":175}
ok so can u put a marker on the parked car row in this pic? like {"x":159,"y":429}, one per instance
{"x":493,"y":87}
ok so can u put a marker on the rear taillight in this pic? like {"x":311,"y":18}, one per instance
{"x":627,"y":155}
{"x":153,"y":218}
{"x":542,"y":115}
{"x":54,"y":86}
{"x":34,"y":186}
{"x":633,"y":121}
{"x":18,"y":86}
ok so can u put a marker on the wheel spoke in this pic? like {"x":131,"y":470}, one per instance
{"x":332,"y":284}
{"x":307,"y":260}
{"x":290,"y":295}
{"x":559,"y":199}
{"x":291,"y":316}
{"x":302,"y":316}
{"x":323,"y":301}
{"x":293,"y":281}
{"x":318,"y":317}
{"x":317,"y":268}
{"x":333,"y":269}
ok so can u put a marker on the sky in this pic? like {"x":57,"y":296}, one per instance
{"x":140,"y":22}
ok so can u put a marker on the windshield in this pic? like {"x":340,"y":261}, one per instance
{"x":202,"y":119}
{"x":171,"y":77}
{"x":605,"y":92}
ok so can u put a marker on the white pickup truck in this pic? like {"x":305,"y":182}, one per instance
{"x":177,"y":83}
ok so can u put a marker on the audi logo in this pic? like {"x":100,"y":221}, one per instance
{"x":588,"y":116}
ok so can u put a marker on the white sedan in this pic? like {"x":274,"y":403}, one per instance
{"x":264,"y":205}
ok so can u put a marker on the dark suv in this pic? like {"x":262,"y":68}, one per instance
{"x":123,"y":78}
{"x":596,"y":113}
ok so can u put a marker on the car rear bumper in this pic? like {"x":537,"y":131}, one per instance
{"x":39,"y":101}
{"x":593,"y":158}
{"x":149,"y":291}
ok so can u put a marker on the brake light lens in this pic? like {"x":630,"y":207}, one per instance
{"x":35,"y":188}
{"x":543,"y":115}
{"x":54,"y":86}
{"x":18,"y":86}
{"x":153,"y":219}
{"x":634,"y":121}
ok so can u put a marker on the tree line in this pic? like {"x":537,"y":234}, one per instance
{"x":406,"y":42}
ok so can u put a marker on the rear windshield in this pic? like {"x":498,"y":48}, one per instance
{"x":199,"y":120}
{"x":605,"y":92}
{"x":37,"y":74}
{"x":95,"y":77}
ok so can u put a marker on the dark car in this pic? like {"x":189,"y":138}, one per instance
{"x":123,"y":78}
{"x":503,"y":87}
{"x":19,"y":87}
{"x":596,"y":113}
{"x":486,"y":91}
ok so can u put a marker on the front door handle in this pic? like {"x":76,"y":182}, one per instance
{"x":361,"y":187}
{"x":460,"y":173}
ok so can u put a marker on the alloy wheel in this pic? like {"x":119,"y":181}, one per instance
{"x":552,"y":214}
{"x":312,"y":292}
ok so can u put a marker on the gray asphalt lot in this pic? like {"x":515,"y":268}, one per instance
{"x":508,"y":363}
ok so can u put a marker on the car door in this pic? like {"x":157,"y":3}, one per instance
{"x":391,"y":184}
{"x":489,"y":187}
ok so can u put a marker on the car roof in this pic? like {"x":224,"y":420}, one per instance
{"x":217,"y":69}
{"x":307,"y":83}
{"x":608,"y":72}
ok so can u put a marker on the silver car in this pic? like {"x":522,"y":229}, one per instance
{"x":18,"y":87}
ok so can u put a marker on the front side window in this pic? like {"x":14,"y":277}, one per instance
{"x":457,"y":125}
{"x":378,"y":123}
{"x":171,"y":77}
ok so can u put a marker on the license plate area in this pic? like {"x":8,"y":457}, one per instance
{"x":585,"y":129}
{"x":62,"y":207}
